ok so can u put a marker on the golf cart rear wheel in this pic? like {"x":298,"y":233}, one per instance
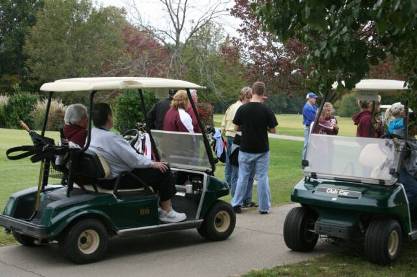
{"x":24,"y":240}
{"x":299,"y":232}
{"x":219,"y":222}
{"x":383,"y":240}
{"x":85,"y":242}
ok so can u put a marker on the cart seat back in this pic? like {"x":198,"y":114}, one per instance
{"x":91,"y":165}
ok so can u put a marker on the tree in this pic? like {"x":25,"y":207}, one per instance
{"x":145,"y":55}
{"x":345,"y":38}
{"x":72,"y":38}
{"x":213,"y":61}
{"x":266,"y":58}
{"x":177,"y":37}
{"x":16,"y":17}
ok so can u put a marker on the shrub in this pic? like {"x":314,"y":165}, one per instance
{"x":347,"y":105}
{"x":19,"y":107}
{"x":128,"y":109}
{"x":3,"y":102}
{"x":55,"y":118}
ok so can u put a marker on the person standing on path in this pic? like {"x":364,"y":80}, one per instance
{"x":255,"y":120}
{"x":229,"y":129}
{"x":309,"y":114}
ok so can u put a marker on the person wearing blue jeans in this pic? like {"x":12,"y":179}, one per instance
{"x":229,"y":129}
{"x":234,"y":163}
{"x":255,"y":120}
{"x":309,"y":114}
{"x":248,"y":163}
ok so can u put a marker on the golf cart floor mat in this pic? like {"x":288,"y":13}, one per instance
{"x":185,"y":205}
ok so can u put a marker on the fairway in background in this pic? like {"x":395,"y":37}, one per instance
{"x":292,"y":125}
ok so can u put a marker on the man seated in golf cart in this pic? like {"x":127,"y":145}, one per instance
{"x":122,"y":157}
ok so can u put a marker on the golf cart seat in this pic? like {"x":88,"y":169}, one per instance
{"x":92,"y":172}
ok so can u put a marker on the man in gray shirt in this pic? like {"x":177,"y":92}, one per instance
{"x":122,"y":157}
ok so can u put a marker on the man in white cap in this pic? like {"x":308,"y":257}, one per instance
{"x":309,"y":114}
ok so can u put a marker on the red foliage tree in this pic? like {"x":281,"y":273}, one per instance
{"x":279,"y":65}
{"x":145,"y":55}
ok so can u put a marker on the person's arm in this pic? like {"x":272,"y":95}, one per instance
{"x":237,"y":120}
{"x":310,"y":113}
{"x":125,"y":152}
{"x":272,"y":121}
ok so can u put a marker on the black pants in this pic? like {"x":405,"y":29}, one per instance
{"x":162,"y":183}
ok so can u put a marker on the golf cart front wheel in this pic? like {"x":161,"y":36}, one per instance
{"x":219,"y":222}
{"x":24,"y":240}
{"x":85,"y":242}
{"x":299,"y":234}
{"x":383,"y":240}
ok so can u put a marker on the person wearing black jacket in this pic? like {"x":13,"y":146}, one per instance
{"x":157,"y":114}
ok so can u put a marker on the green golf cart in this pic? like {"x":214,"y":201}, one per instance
{"x":87,"y":208}
{"x":350,"y":190}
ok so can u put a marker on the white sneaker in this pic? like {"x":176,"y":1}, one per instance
{"x":172,"y":216}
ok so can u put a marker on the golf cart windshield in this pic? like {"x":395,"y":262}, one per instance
{"x":367,"y":160}
{"x":182,"y":150}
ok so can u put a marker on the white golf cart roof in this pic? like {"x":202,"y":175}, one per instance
{"x":116,"y":83}
{"x":377,"y":85}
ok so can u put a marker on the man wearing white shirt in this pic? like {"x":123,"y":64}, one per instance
{"x":122,"y":157}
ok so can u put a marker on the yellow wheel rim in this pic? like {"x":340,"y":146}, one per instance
{"x":393,"y":243}
{"x":222,"y":221}
{"x":88,"y":241}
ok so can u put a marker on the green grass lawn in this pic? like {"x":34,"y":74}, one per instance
{"x":292,"y":125}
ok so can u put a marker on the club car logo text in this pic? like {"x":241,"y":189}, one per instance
{"x":340,"y":192}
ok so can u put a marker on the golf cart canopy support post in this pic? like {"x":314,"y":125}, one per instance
{"x":145,"y":115}
{"x":203,"y":131}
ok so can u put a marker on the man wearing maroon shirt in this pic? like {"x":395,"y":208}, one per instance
{"x":76,"y":122}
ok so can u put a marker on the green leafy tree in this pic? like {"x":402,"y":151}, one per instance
{"x":345,"y":37}
{"x":72,"y":38}
{"x":212,"y":60}
{"x":128,"y":109}
{"x":16,"y":17}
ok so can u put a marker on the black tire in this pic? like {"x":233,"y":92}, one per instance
{"x":219,"y":222}
{"x":85,"y":242}
{"x":24,"y":240}
{"x":298,"y":226}
{"x":383,"y":241}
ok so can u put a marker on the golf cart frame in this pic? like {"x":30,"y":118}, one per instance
{"x":82,"y":218}
{"x":350,"y":190}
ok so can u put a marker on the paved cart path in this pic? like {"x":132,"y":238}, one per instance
{"x":256,"y":243}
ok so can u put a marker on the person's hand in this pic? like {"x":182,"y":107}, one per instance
{"x":161,"y":166}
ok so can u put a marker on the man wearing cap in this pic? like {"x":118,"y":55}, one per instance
{"x":309,"y":114}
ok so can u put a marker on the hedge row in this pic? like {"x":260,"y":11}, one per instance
{"x":31,"y":109}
